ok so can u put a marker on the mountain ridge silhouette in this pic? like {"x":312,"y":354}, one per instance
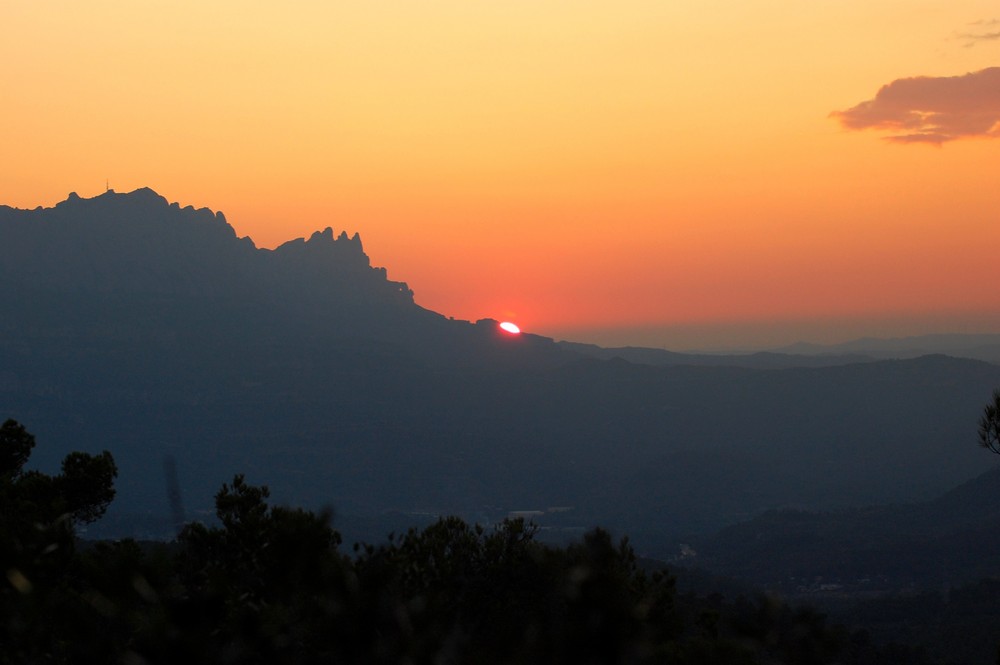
{"x":152,"y":330}
{"x":139,"y":252}
{"x":139,"y":242}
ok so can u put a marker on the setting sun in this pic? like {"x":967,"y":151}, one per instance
{"x":658,"y":172}
{"x":754,"y":243}
{"x":512,"y":328}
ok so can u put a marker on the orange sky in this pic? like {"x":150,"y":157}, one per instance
{"x":632,"y":172}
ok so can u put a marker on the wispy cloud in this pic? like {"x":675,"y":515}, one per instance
{"x":982,"y":31}
{"x":929,"y":109}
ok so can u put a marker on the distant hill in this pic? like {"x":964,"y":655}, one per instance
{"x":980,"y":347}
{"x":758,"y":360}
{"x":154,"y":331}
{"x":984,"y":347}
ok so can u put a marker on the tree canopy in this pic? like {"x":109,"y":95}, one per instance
{"x":270,"y":584}
{"x":81,"y":493}
{"x":40,"y":511}
{"x":989,"y":424}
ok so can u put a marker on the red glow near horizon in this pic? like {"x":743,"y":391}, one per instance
{"x":507,"y":326}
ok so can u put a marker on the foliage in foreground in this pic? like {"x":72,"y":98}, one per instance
{"x":271,"y":585}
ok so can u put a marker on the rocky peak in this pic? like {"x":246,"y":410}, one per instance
{"x":140,"y":243}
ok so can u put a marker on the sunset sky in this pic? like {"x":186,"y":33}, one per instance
{"x":680,"y":174}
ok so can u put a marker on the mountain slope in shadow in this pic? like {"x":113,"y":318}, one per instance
{"x":154,"y":331}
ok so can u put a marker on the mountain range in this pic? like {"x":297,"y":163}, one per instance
{"x":154,"y":331}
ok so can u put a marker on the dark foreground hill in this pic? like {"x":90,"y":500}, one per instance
{"x":922,"y":574}
{"x":923,"y":546}
{"x":153,"y":331}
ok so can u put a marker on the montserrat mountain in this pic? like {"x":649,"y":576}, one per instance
{"x":95,"y":278}
{"x":138,"y":243}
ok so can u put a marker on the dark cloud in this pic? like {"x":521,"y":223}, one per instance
{"x":985,"y":31}
{"x":927,"y":109}
{"x":973,"y":38}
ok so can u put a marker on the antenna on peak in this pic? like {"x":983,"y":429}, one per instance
{"x":107,"y":185}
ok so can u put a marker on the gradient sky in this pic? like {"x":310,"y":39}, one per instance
{"x":680,"y":174}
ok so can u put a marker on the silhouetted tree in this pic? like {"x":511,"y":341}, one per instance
{"x":989,"y":436}
{"x":15,"y":449}
{"x":264,"y":587}
{"x":38,"y":509}
{"x":45,"y":618}
{"x":989,"y":424}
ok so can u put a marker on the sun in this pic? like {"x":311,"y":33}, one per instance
{"x":510,"y":327}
